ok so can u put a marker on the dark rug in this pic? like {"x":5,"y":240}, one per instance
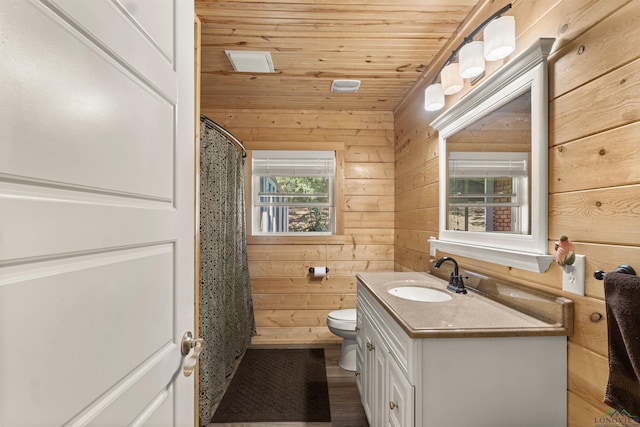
{"x":277,"y":385}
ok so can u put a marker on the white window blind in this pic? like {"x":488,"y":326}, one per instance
{"x":488,"y":164}
{"x":294,"y":163}
{"x":293,"y":191}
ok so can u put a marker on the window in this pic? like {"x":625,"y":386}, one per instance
{"x":488,"y":192}
{"x":293,"y":192}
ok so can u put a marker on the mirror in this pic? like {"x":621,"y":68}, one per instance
{"x":488,"y":172}
{"x":493,"y":167}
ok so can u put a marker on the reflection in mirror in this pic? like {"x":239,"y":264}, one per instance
{"x":489,"y":173}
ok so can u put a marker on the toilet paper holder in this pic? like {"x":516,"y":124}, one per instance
{"x":313,"y":270}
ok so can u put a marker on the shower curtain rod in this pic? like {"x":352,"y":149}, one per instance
{"x":213,"y":125}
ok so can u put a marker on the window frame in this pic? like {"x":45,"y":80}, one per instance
{"x":513,"y":165}
{"x":297,"y":237}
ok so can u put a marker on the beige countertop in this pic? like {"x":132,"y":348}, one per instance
{"x":465,"y":315}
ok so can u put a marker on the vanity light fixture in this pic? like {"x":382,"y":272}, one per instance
{"x":499,"y":42}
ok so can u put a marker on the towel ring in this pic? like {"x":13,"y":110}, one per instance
{"x":622,"y":268}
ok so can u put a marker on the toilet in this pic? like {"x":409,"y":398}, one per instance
{"x":343,"y":324}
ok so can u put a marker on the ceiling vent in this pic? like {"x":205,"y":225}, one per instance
{"x":345,"y":86}
{"x":250,"y":61}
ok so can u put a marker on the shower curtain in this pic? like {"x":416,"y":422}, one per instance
{"x":226,"y":309}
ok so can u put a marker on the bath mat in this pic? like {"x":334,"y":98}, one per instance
{"x":277,"y":385}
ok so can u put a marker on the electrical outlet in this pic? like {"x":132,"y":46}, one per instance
{"x":573,"y":276}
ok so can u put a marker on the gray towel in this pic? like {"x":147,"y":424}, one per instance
{"x":622,"y":300}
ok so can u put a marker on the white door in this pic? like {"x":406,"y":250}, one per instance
{"x":96,"y":211}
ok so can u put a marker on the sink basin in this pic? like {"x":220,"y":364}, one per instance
{"x":411,"y":290}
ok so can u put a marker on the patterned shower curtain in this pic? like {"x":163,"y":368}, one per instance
{"x":226,"y":309}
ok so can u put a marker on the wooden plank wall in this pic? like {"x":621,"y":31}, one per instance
{"x":593,"y":171}
{"x":290,"y":306}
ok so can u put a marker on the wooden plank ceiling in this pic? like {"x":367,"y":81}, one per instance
{"x":386,"y":44}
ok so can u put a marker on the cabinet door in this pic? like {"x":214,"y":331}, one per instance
{"x":374,"y":374}
{"x":359,"y":376}
{"x":400,"y":399}
{"x":360,"y":349}
{"x":368,"y":369}
{"x":378,"y":383}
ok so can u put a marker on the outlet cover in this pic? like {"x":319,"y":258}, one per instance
{"x":432,"y":248}
{"x":573,"y":276}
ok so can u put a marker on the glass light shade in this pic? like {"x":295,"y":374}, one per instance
{"x":471,"y":59}
{"x":451,"y":80}
{"x":499,"y":38}
{"x":433,"y":97}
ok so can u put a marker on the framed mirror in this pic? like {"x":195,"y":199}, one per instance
{"x":493,"y":190}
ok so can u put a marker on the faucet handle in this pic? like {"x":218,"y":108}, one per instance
{"x":456,"y":284}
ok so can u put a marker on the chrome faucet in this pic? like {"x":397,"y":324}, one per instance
{"x":455,"y":280}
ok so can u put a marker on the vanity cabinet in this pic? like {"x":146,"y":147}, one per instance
{"x":409,"y":379}
{"x":387,"y":394}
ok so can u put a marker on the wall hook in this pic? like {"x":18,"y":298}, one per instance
{"x":596,"y":317}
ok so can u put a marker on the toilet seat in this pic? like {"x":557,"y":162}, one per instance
{"x":343,"y":319}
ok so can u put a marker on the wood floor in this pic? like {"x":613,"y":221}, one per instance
{"x":346,"y":408}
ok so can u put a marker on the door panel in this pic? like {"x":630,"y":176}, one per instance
{"x":96,"y":211}
{"x":137,"y":33}
{"x":160,"y":416}
{"x":84,"y":221}
{"x":401,"y":411}
{"x":117,"y":136}
{"x":104,"y":317}
{"x":126,"y":406}
{"x":379,"y":383}
{"x":155,"y":19}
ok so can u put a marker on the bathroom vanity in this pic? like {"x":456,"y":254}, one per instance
{"x":471,"y":360}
